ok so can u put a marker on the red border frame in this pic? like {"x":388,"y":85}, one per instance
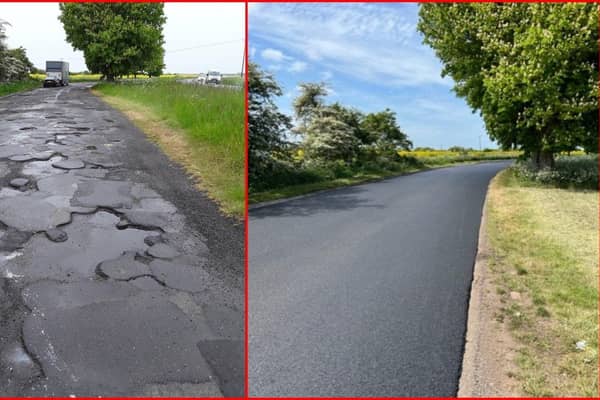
{"x":246,"y":224}
{"x":397,"y":1}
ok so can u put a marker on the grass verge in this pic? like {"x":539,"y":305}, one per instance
{"x":18,"y":86}
{"x":200,"y":127}
{"x":288,"y":181}
{"x":544,"y":262}
{"x":326,"y":182}
{"x":233,"y":80}
{"x":304,"y":188}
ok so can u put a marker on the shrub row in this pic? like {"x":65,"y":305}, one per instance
{"x":577,"y":172}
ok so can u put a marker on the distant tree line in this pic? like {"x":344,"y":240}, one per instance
{"x":332,"y":136}
{"x":14,"y":64}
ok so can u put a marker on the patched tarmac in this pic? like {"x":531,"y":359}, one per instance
{"x":117,"y":277}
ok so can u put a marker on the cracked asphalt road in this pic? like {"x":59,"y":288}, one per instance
{"x":363,"y":291}
{"x":117,"y":277}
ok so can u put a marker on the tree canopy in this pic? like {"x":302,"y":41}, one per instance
{"x":310,"y":99}
{"x":382,"y":127}
{"x":530,"y":69}
{"x":117,"y":38}
{"x":334,"y":132}
{"x":266,"y":125}
{"x":328,"y":138}
{"x":332,"y":139}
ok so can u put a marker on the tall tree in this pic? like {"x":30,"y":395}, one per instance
{"x":116,"y":38}
{"x":308,"y":102}
{"x":353,"y":118}
{"x":383,"y":128}
{"x":530,"y":69}
{"x":266,"y":125}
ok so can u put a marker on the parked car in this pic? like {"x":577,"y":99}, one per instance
{"x":213,"y":77}
{"x":201,"y":79}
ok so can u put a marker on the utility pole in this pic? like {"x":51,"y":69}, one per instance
{"x":243,"y":61}
{"x":480,"y":143}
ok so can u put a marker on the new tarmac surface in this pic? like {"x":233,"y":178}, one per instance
{"x":117,"y":276}
{"x":363,"y":291}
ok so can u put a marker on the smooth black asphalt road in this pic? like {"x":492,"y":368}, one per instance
{"x":364,"y":291}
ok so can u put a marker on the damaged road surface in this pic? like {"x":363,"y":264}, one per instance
{"x":117,"y":277}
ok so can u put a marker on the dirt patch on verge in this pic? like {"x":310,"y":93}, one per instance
{"x":490,"y":349}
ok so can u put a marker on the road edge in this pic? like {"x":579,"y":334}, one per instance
{"x":175,"y":156}
{"x":488,"y":352}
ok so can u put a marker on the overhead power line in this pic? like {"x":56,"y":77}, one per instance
{"x":206,"y":45}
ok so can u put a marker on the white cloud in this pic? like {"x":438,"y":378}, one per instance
{"x":297,"y":66}
{"x":431,"y":105}
{"x":252,"y":52}
{"x":273,"y":55}
{"x":279,"y":61}
{"x":326,"y":75}
{"x":273,"y":67}
{"x":362,"y":41}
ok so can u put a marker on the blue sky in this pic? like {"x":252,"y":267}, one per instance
{"x":371,"y":57}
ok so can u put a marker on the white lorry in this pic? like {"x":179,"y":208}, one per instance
{"x":57,"y":73}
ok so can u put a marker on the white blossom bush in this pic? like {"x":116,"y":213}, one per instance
{"x":569,"y":172}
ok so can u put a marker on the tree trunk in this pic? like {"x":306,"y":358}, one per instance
{"x":543,"y":159}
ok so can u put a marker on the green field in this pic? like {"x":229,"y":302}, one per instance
{"x":201,"y":127}
{"x":445,"y":157}
{"x":544,"y":245}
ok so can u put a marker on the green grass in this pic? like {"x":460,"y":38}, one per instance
{"x":304,"y":188}
{"x":544,"y":245}
{"x":233,"y":80}
{"x":200,"y":126}
{"x":298,"y":180}
{"x":329,"y":179}
{"x":18,"y":86}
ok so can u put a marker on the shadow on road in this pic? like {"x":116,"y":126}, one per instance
{"x":343,"y":199}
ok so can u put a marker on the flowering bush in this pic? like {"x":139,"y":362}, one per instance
{"x":569,"y":172}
